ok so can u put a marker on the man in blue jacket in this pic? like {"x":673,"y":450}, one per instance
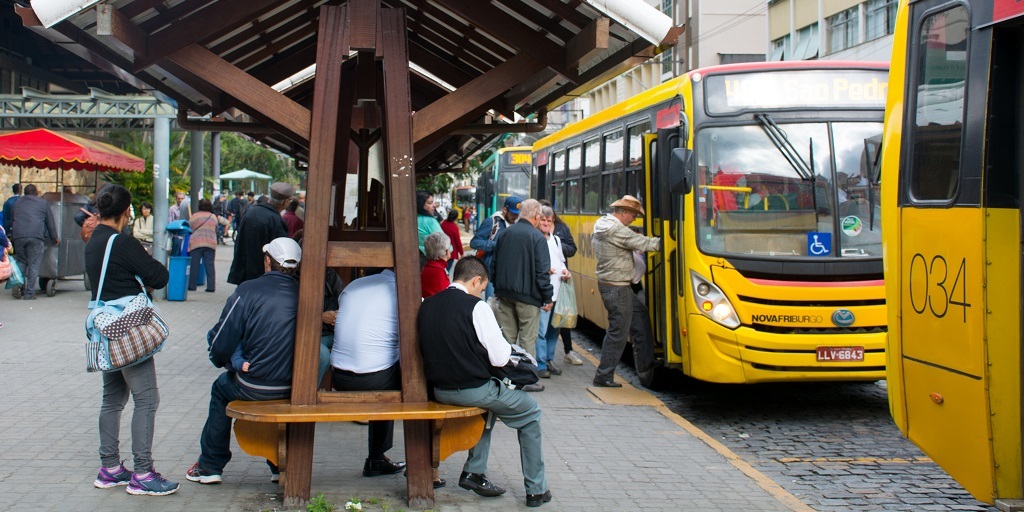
{"x":486,"y":237}
{"x":258,"y":323}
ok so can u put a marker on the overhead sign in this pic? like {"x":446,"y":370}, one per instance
{"x":517,"y":158}
{"x":738,"y":92}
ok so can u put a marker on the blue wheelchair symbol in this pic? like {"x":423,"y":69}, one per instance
{"x":819,"y":244}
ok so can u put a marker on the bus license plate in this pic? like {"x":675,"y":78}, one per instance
{"x":840,"y":354}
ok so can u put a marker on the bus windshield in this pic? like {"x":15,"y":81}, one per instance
{"x":513,"y":182}
{"x":751,"y":199}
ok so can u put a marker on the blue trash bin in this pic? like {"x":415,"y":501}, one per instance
{"x":177,"y":284}
{"x":179,"y":261}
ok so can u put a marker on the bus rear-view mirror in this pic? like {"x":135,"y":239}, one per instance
{"x":680,"y":171}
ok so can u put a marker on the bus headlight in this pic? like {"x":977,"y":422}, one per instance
{"x":712,"y":302}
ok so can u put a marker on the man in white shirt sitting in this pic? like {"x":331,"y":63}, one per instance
{"x":365,"y":355}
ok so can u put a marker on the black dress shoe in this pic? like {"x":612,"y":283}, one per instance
{"x":478,"y":483}
{"x":606,"y":384}
{"x":382,"y":467}
{"x":439,"y":483}
{"x":554,"y":370}
{"x":536,"y":500}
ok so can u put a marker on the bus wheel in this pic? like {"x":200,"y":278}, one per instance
{"x":652,"y":378}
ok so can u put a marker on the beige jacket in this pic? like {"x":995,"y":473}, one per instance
{"x":614,"y":244}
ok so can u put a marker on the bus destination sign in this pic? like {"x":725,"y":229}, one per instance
{"x":517,"y":158}
{"x":734,"y":93}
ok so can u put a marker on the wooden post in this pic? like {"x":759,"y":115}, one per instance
{"x":401,"y":169}
{"x":331,"y":51}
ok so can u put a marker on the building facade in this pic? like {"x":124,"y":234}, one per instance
{"x":717,"y":32}
{"x":831,"y":29}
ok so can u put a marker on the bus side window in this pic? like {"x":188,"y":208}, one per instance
{"x":939,"y":105}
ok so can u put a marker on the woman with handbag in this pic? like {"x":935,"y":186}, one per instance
{"x":127,"y":259}
{"x":547,"y":336}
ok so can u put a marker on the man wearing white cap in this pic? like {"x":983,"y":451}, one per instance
{"x":255,"y":341}
{"x":261,"y":224}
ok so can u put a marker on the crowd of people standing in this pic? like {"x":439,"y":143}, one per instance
{"x":477,"y":309}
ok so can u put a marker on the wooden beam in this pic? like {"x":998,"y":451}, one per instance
{"x":512,"y":32}
{"x":259,"y":98}
{"x":588,"y":42}
{"x":332,"y":47}
{"x":439,"y":118}
{"x":110,"y":22}
{"x":401,"y":168}
{"x":637,"y":52}
{"x":358,"y":397}
{"x":211,"y":22}
{"x":360,"y":254}
{"x":364,"y":16}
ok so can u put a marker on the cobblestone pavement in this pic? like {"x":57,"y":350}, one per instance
{"x":598,"y":456}
{"x":833,"y":445}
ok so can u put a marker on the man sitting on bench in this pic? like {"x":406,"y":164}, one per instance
{"x":259,"y":319}
{"x":463,"y":351}
{"x":365,"y":354}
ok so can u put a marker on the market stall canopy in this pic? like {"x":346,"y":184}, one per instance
{"x":44,"y":149}
{"x":248,"y":63}
{"x":245,"y":174}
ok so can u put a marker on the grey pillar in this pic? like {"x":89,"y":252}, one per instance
{"x":196,"y":187}
{"x":161,"y":180}
{"x":215,"y":162}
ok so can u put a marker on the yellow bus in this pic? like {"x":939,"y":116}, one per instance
{"x":771,"y":268}
{"x":463,"y":197}
{"x":953,"y":150}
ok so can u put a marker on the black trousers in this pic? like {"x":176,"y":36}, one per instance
{"x":382,"y":433}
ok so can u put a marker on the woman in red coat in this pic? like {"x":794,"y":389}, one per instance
{"x":434,"y":277}
{"x":450,"y":228}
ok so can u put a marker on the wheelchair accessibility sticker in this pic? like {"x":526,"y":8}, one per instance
{"x":819,"y":244}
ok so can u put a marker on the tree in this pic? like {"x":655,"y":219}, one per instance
{"x":140,"y":184}
{"x":238,"y":152}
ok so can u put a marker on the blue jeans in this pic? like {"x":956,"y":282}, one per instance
{"x":216,"y":438}
{"x":139,"y":381}
{"x":547,"y":340}
{"x":514,"y":408}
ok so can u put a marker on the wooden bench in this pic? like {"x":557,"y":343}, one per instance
{"x":261,"y":427}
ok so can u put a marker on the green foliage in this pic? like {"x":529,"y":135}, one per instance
{"x":319,"y":504}
{"x":237,"y":153}
{"x":436,"y":183}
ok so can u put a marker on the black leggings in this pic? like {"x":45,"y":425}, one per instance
{"x":566,"y":339}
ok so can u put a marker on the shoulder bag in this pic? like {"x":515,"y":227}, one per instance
{"x":122,"y":332}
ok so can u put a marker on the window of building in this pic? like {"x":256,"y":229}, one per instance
{"x":842,"y":30}
{"x":881,"y":18}
{"x":807,"y":44}
{"x":779,"y":48}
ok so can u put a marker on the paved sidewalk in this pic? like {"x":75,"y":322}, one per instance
{"x":599,"y":456}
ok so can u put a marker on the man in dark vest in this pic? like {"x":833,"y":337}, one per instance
{"x":463,"y":355}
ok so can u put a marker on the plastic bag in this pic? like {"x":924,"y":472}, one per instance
{"x":565,"y":314}
{"x":17,"y":279}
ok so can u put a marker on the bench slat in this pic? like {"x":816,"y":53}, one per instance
{"x":280,"y":411}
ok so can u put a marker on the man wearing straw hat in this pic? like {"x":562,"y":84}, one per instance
{"x":614,"y":243}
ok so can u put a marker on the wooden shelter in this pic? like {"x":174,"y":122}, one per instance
{"x":401,"y":87}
